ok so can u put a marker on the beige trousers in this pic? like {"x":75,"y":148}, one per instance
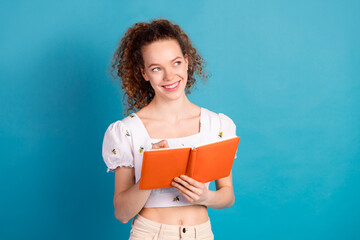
{"x":144,"y":229}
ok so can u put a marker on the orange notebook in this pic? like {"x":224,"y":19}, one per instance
{"x":204,"y":163}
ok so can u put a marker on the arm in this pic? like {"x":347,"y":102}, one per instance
{"x":128,"y":199}
{"x":197,"y":193}
{"x":224,"y":196}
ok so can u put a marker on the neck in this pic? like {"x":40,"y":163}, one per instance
{"x":171,"y":110}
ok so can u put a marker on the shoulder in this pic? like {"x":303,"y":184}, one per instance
{"x":223,"y":118}
{"x":117,"y":147}
{"x":122,"y":124}
{"x":221,"y":123}
{"x":119,"y":131}
{"x":116,"y":131}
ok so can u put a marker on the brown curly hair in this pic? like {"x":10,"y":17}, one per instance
{"x":128,"y":61}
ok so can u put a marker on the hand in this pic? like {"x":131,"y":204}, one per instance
{"x":195,"y":192}
{"x":161,"y":144}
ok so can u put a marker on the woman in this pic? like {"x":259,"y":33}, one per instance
{"x":156,"y":63}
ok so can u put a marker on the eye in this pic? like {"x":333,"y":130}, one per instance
{"x":177,"y":63}
{"x":155,"y":69}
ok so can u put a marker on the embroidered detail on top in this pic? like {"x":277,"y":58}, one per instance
{"x":176,"y":199}
{"x":132,"y":115}
{"x":141,"y":149}
{"x":127,"y":133}
{"x":114,"y":151}
{"x":220,"y":134}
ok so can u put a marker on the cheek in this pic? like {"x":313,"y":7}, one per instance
{"x":182,"y":71}
{"x":155,"y":77}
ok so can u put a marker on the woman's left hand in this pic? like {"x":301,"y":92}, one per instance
{"x":195,"y":192}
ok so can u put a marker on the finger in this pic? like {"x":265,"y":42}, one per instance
{"x":185,"y":185}
{"x":188,"y":198}
{"x":161,"y":144}
{"x":164,"y":144}
{"x":189,"y":195}
{"x":191,"y":181}
{"x":155,"y":146}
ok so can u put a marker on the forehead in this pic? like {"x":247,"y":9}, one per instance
{"x":162,"y":50}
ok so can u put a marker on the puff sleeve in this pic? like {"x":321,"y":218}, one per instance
{"x":117,"y":147}
{"x":227,"y":127}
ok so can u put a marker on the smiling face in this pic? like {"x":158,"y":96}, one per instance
{"x":166,"y":68}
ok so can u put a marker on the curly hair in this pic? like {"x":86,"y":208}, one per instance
{"x":128,"y":61}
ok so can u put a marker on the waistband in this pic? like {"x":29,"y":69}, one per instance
{"x":172,"y":228}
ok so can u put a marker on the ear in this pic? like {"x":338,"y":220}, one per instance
{"x":144,"y":74}
{"x":186,"y":62}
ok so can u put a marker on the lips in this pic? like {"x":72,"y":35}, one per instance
{"x":171,"y":86}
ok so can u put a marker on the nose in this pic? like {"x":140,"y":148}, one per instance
{"x":169,"y":74}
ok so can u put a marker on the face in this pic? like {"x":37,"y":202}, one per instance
{"x":166,"y":68}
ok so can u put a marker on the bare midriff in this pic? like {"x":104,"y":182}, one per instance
{"x":185,"y":215}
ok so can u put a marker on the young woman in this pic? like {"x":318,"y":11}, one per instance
{"x":156,"y":63}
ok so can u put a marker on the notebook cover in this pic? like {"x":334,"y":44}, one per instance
{"x":214,"y":161}
{"x":160,"y":167}
{"x":208,"y":162}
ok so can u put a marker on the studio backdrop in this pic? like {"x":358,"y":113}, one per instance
{"x":286,"y":72}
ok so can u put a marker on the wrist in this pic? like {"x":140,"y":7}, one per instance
{"x":209,"y":196}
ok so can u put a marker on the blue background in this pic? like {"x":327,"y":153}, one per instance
{"x":286,"y":72}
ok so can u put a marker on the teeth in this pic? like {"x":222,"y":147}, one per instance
{"x":172,"y":86}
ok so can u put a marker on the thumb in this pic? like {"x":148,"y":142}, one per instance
{"x":164,"y":144}
{"x":161,"y":144}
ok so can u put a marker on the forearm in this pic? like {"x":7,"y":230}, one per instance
{"x":221,"y":198}
{"x":129,"y":203}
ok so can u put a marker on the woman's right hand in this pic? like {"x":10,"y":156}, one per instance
{"x":128,"y":199}
{"x":161,"y":144}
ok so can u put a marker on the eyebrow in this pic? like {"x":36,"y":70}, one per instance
{"x":159,"y":64}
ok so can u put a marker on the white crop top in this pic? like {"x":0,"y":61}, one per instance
{"x":126,"y":140}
